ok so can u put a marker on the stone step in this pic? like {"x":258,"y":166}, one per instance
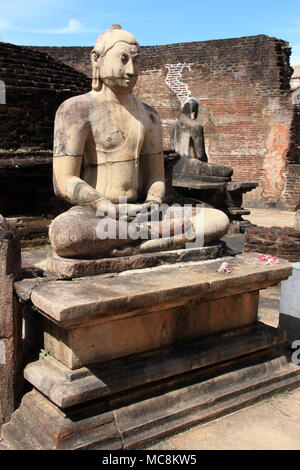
{"x":159,"y":416}
{"x":16,"y":434}
{"x":56,"y":431}
{"x":131,"y":422}
{"x":30,"y":437}
{"x":9,"y":441}
{"x":67,"y":387}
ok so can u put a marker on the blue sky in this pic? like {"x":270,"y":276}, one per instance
{"x":153,"y":22}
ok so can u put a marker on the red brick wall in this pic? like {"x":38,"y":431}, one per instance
{"x":35,"y":86}
{"x":291,"y":193}
{"x":242,"y":86}
{"x":76,"y":57}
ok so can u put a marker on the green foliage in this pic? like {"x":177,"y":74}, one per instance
{"x":44,"y":353}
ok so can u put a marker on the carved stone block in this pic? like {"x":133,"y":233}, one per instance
{"x":10,"y":321}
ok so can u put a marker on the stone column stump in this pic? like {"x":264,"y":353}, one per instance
{"x":10,"y":322}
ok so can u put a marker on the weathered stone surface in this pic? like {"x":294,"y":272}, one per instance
{"x":85,"y":300}
{"x":10,"y":261}
{"x":136,"y":417}
{"x":10,"y":322}
{"x":283,"y":242}
{"x":48,"y":427}
{"x":66,"y":387}
{"x":187,"y":138}
{"x":34,"y":259}
{"x":101,"y":318}
{"x":66,"y":268}
{"x":127,"y":402}
{"x":34,"y":263}
{"x":135,"y":332}
{"x":194,"y":175}
{"x":222,"y":392}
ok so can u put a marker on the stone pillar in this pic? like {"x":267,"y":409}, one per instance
{"x":289,"y":317}
{"x":10,"y":322}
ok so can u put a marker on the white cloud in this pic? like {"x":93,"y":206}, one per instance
{"x":74,"y":26}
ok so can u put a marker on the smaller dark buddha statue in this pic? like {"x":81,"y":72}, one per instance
{"x":187,"y":139}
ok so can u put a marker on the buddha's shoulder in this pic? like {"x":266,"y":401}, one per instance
{"x":149,"y":112}
{"x":75,"y":107}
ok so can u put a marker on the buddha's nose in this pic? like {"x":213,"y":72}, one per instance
{"x":130,"y":68}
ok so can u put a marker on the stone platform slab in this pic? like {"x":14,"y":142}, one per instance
{"x":86,"y":300}
{"x":101,"y":318}
{"x":68,"y":268}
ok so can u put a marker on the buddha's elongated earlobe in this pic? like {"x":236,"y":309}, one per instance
{"x":96,"y":80}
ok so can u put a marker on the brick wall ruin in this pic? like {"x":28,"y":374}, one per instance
{"x":78,"y":58}
{"x":243,"y":88}
{"x":242,"y":85}
{"x":35,"y":85}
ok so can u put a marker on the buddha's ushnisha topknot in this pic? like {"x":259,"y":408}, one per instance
{"x":110,"y":37}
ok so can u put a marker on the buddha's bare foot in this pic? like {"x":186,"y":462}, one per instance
{"x":126,"y":250}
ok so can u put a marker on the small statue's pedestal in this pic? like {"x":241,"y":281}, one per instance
{"x":213,"y":185}
{"x":140,"y":354}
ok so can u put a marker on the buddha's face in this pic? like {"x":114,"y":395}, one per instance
{"x":120,"y":66}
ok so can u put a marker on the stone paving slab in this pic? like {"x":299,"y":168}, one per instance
{"x":273,"y":424}
{"x":271,"y":217}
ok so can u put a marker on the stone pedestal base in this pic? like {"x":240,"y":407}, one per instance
{"x":139,"y":354}
{"x":138,"y":400}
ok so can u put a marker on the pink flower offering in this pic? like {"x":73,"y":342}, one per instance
{"x":269,"y":259}
{"x":224,"y":268}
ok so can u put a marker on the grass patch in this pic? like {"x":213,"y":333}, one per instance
{"x":281,"y":394}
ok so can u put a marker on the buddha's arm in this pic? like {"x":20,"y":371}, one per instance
{"x":69,"y":185}
{"x":71,"y":130}
{"x":153,"y":177}
{"x":152,"y":161}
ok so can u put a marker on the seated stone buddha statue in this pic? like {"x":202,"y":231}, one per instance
{"x":108,"y":161}
{"x":187,"y":139}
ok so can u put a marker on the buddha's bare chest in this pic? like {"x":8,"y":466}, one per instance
{"x":114,"y":130}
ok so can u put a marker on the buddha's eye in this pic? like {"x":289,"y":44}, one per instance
{"x":124,"y":58}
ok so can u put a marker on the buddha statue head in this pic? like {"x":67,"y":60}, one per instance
{"x":190,"y":108}
{"x":115,"y":60}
